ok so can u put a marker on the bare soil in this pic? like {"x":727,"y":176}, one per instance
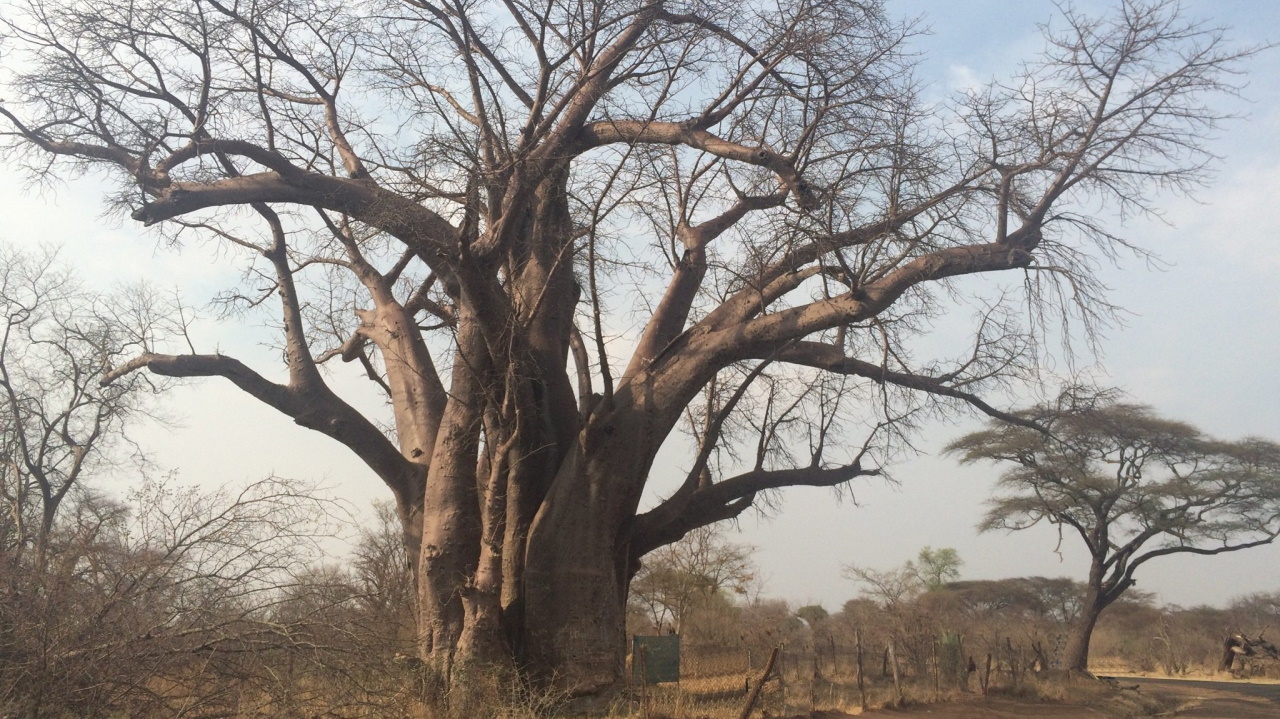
{"x":992,"y":708}
{"x":1217,"y":700}
{"x":1194,"y":699}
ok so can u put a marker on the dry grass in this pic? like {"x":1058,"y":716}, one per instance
{"x":1115,"y":667}
{"x":1108,"y":697}
{"x":1195,"y":676}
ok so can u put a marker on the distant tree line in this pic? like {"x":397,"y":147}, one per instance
{"x":1026,"y":622}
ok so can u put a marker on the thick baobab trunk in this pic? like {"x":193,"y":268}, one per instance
{"x":579,"y":563}
{"x":545,"y":422}
{"x":452,"y":525}
{"x":576,"y":577}
{"x":525,"y":550}
{"x":503,"y":439}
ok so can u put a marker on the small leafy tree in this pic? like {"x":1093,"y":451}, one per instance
{"x":911,"y":624}
{"x":679,"y":577}
{"x":1132,"y":485}
{"x":937,"y":567}
{"x":931,"y":570}
{"x":814,"y":615}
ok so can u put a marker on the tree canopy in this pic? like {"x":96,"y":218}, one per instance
{"x":937,"y":567}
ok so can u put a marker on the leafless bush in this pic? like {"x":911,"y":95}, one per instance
{"x":58,"y":422}
{"x":173,"y":601}
{"x":182,"y":602}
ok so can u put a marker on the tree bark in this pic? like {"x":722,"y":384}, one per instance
{"x":543,"y":413}
{"x":451,"y":528}
{"x":1077,"y":649}
{"x":576,"y":580}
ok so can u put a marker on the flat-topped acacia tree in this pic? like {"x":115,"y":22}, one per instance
{"x":474,"y":201}
{"x":1132,"y":485}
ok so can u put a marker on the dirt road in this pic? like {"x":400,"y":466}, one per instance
{"x":992,"y":709}
{"x":1216,"y":700}
{"x":1196,"y":699}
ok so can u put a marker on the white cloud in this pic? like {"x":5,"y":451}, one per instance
{"x":962,"y":78}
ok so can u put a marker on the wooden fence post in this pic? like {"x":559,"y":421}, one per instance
{"x":1014,"y":663}
{"x":862,"y":689}
{"x":937,"y":685}
{"x":755,"y":690}
{"x":897,"y":684}
{"x":813,"y":684}
{"x":986,"y":675}
{"x":835,"y":662}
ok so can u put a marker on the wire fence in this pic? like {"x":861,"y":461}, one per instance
{"x":717,"y":681}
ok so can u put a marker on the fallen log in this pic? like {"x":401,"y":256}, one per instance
{"x":1239,"y":646}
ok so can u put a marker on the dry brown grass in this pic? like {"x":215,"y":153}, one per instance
{"x":1110,"y":698}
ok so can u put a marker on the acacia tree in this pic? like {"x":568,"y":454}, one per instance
{"x":1133,"y":486}
{"x":455,"y":195}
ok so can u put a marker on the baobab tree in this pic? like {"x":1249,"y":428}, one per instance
{"x":1132,"y":486}
{"x":473,"y":201}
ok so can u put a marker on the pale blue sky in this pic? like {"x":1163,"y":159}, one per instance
{"x":1201,"y":343}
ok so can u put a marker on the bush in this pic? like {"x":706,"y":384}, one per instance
{"x":200,"y":603}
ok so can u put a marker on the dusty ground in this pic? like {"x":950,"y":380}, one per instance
{"x":1193,"y":699}
{"x":1217,"y":700}
{"x":992,"y":708}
